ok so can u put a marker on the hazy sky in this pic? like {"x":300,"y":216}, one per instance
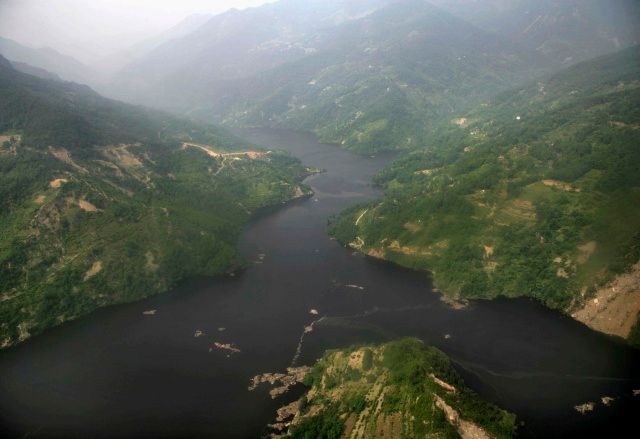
{"x":89,"y":29}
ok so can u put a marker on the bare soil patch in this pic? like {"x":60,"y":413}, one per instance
{"x":58,"y":182}
{"x":94,"y":270}
{"x":615,"y":307}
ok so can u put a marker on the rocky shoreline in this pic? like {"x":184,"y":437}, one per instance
{"x":282,"y":381}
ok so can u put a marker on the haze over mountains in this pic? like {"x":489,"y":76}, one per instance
{"x":103,"y":67}
{"x":516,"y":173}
{"x":48,"y":59}
{"x":316,"y":65}
{"x":568,"y":31}
{"x":313,"y":65}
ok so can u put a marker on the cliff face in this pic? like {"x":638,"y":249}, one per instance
{"x":615,"y":307}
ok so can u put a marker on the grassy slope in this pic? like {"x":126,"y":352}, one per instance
{"x":536,"y":194}
{"x":135,"y":213}
{"x":389,"y":391}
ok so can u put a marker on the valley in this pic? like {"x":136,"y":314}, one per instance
{"x":515,"y":354}
{"x":319,"y":219}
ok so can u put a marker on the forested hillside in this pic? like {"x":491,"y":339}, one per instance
{"x":567,"y":31}
{"x":401,"y":389}
{"x":369,"y":74}
{"x":381,"y":82}
{"x":102,"y":202}
{"x":536,"y":194}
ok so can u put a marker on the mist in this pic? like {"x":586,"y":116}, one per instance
{"x":319,"y":218}
{"x":93,"y":30}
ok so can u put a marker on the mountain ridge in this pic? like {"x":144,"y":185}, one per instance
{"x":322,"y":78}
{"x":48,"y":59}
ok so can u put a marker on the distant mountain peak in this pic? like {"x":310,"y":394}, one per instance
{"x":46,"y":58}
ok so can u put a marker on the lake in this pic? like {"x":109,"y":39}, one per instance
{"x":120,"y":373}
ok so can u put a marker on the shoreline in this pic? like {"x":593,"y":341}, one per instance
{"x":590,"y":321}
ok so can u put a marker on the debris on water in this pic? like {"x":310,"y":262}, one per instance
{"x":447,"y":336}
{"x":313,"y":312}
{"x":308,"y":329}
{"x":222,"y":329}
{"x":607,"y":400}
{"x":226,"y":347}
{"x":354,"y":286}
{"x":636,"y":392}
{"x":287,"y":380}
{"x":198,"y":333}
{"x":456,"y":304}
{"x":585,"y":408}
{"x":151,"y":312}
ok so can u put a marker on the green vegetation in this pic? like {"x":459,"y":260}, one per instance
{"x":579,"y":29}
{"x":535,"y":194}
{"x":101,"y":203}
{"x":403,"y":393}
{"x":385,"y":83}
{"x":378,"y":80}
{"x":380,"y":77}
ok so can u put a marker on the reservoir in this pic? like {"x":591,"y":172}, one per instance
{"x":122,"y":373}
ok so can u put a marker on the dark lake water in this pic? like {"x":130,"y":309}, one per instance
{"x":119,"y":373}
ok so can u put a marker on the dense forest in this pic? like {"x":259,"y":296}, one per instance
{"x":535,"y":194}
{"x":103,"y":203}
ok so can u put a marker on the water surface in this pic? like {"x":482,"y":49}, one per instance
{"x":119,"y":373}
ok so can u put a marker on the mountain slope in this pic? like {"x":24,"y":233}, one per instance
{"x":369,"y":74}
{"x":113,"y":63}
{"x":68,"y":68}
{"x":242,"y":43}
{"x":566,"y":30}
{"x":536,"y":194}
{"x":372,"y":76}
{"x":381,"y":81}
{"x":103,"y":203}
{"x":35,"y":71}
{"x":399,"y":389}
